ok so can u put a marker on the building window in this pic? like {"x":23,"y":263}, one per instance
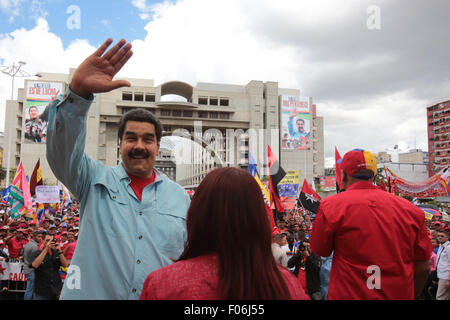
{"x":149,"y":97}
{"x":203,"y":114}
{"x":165,"y":113}
{"x":188,"y":113}
{"x":213,"y":101}
{"x":213,"y":115}
{"x":224,"y":102}
{"x":139,"y":96}
{"x":176,"y":113}
{"x":203,"y":100}
{"x":224,"y":115}
{"x":128,"y":96}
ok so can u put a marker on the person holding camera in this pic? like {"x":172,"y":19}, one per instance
{"x":47,"y":282}
{"x":304,"y":259}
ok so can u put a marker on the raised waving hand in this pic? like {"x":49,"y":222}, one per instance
{"x":95,"y":74}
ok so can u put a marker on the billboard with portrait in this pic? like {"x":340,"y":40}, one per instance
{"x":39,"y":95}
{"x":295,"y":123}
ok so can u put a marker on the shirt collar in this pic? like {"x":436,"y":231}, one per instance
{"x":362,"y":185}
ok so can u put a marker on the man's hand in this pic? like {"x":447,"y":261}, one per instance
{"x":95,"y":74}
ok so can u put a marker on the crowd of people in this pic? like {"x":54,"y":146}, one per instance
{"x":23,"y":239}
{"x":291,"y":249}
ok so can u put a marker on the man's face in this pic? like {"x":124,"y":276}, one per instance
{"x":33,"y":112}
{"x":442,"y":237}
{"x":19,"y":235}
{"x":38,"y":238}
{"x":283,"y":241}
{"x":48,"y":238}
{"x":139,"y":148}
{"x":300,"y":125}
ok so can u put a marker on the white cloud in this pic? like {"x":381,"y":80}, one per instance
{"x":368,"y":86}
{"x":12,"y":8}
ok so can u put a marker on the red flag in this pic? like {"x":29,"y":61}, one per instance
{"x":383,"y":185}
{"x":308,"y":198}
{"x":337,"y":157}
{"x":276,"y":175}
{"x":36,"y":177}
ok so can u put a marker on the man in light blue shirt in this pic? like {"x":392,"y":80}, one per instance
{"x":132,"y":219}
{"x":299,"y":131}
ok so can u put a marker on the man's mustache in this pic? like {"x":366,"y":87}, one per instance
{"x":136,"y":153}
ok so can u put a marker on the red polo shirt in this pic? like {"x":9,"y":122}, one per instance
{"x":371,"y":232}
{"x":15,"y":245}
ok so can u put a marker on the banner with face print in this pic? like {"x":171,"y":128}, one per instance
{"x":295,"y":123}
{"x":39,"y":96}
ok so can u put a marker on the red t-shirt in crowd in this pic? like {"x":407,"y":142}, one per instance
{"x":70,"y":250}
{"x":376,"y":238}
{"x":138,"y":184}
{"x":14,"y":246}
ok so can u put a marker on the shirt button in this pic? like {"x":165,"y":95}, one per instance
{"x":134,"y":290}
{"x":140,"y":213}
{"x":138,"y":262}
{"x":140,"y":237}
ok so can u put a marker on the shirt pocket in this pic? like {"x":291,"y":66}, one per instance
{"x":114,"y":206}
{"x":169,"y":232}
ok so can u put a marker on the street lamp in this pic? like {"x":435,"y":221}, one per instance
{"x":13,"y":71}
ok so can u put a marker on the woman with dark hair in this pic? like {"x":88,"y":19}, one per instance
{"x":228,"y":251}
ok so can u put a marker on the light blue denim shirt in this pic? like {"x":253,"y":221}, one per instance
{"x":121,"y":239}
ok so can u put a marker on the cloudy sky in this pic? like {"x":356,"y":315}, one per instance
{"x":372,"y":67}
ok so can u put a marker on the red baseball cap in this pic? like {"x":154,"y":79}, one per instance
{"x":357,"y":160}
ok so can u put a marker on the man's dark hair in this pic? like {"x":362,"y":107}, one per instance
{"x":446,"y":232}
{"x":364,"y":174}
{"x":299,"y":119}
{"x":140,"y":115}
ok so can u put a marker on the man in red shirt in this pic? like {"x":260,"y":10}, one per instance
{"x":16,"y":244}
{"x":380,"y":242}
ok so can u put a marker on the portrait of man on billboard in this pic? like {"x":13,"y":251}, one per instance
{"x":296,"y":123}
{"x":40,"y":96}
